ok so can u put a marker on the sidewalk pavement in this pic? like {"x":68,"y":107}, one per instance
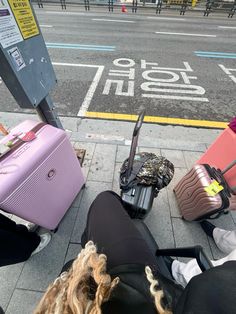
{"x":107,"y":144}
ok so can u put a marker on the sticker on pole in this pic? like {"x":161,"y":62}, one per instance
{"x":24,"y":18}
{"x":17,"y":58}
{"x":9,"y":30}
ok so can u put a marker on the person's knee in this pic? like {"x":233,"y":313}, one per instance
{"x":105,"y":203}
{"x":107,"y":197}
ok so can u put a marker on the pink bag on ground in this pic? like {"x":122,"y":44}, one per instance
{"x":203,"y":193}
{"x":40,"y":176}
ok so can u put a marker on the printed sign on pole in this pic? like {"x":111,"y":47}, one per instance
{"x":24,"y":18}
{"x":9,"y":31}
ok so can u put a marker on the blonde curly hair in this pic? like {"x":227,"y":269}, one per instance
{"x":86,"y":286}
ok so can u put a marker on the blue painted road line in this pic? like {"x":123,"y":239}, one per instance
{"x":81,"y":47}
{"x":216,"y":53}
{"x":219,"y":57}
{"x":211,"y":54}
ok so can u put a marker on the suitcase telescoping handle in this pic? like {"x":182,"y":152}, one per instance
{"x":134,"y":144}
{"x":231,"y":165}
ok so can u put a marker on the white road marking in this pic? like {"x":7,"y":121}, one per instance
{"x":228,"y":72}
{"x":227,"y":27}
{"x":63,"y":13}
{"x":46,"y":26}
{"x":165,"y":18}
{"x":233,"y":78}
{"x":202,"y":99}
{"x":116,"y":21}
{"x":89,"y":96}
{"x":186,"y":34}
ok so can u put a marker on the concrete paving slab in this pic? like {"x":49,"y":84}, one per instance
{"x":174,"y":208}
{"x":8,"y":279}
{"x":103,"y":163}
{"x":179,"y":173}
{"x":233,"y":215}
{"x":116,"y":179}
{"x":78,"y":198}
{"x":69,"y":123}
{"x":92,"y":189}
{"x":45,"y":266}
{"x":86,"y":167}
{"x":72,"y":252}
{"x":189,"y":234}
{"x":175,"y":156}
{"x":10,"y":120}
{"x":24,"y":301}
{"x":159,"y":221}
{"x":122,"y":153}
{"x":153,"y":134}
{"x":191,"y":158}
{"x":89,"y":147}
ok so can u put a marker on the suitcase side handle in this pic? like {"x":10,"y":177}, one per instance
{"x":134,"y":144}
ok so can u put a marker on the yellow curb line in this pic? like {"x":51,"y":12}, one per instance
{"x":153,"y":119}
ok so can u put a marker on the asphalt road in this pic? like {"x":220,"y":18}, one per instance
{"x":174,"y":66}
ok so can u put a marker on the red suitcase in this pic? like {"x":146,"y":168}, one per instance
{"x":221,"y":153}
{"x":203,"y":193}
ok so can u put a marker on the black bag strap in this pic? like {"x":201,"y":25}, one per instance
{"x":135,"y":170}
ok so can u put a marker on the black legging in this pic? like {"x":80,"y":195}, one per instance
{"x":16,"y":242}
{"x":114,"y":233}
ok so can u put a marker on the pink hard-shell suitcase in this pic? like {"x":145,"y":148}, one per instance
{"x":40,"y":177}
{"x":195,"y":203}
{"x":221,"y":153}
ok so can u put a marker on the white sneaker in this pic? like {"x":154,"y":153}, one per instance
{"x":31,"y":227}
{"x":45,"y":239}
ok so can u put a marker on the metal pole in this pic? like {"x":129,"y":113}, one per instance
{"x":47,"y":113}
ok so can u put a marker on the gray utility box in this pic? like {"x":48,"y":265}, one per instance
{"x":25,"y":65}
